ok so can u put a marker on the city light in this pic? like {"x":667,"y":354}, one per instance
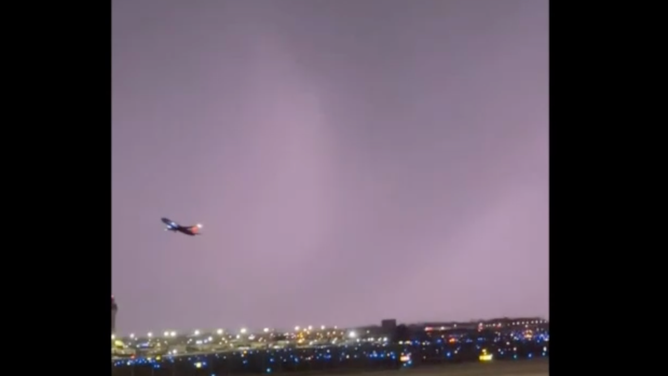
{"x":485,"y":357}
{"x":504,"y":342}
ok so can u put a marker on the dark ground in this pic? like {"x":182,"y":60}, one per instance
{"x":538,"y":367}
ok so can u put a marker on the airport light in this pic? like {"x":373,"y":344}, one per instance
{"x":352,"y":334}
{"x":132,"y":335}
{"x":173,"y":334}
{"x":196,"y":332}
{"x":219,"y":331}
{"x":243,"y":331}
{"x":266,"y":330}
{"x":322,"y":327}
{"x":296,"y":328}
{"x":113,"y":337}
{"x":166,"y":334}
{"x":150,"y":334}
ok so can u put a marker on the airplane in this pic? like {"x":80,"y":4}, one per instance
{"x":188,"y":230}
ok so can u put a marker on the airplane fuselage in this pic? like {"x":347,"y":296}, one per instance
{"x":175,"y":227}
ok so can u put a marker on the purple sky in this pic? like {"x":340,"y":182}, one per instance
{"x":350,"y":161}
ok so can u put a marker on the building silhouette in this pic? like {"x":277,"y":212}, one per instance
{"x":389,"y":325}
{"x":114,"y":309}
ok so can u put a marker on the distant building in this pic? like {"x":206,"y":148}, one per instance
{"x":521,"y":322}
{"x":389,"y":325}
{"x":114,"y":309}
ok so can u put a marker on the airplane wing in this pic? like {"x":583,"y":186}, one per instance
{"x":169,"y":222}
